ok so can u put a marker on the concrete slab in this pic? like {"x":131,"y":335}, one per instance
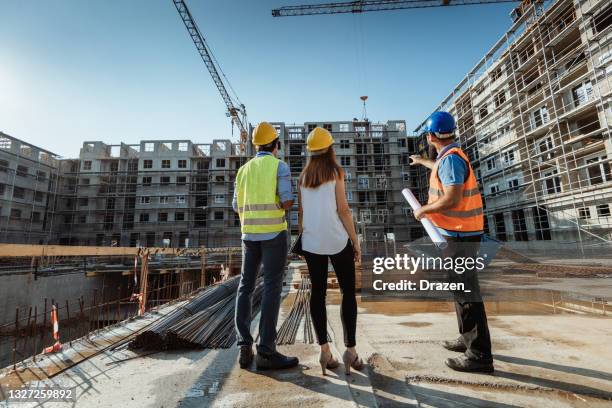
{"x":304,"y":386}
{"x":541,"y":360}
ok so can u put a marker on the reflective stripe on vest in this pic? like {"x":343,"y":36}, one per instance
{"x":258,"y":202}
{"x":466,"y":193}
{"x":467,"y":215}
{"x":264,"y":221}
{"x":258,"y":207}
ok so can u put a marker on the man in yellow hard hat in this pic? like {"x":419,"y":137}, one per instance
{"x":262,"y":194}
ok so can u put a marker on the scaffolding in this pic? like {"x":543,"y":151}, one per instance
{"x":534,"y":117}
{"x":172,"y":193}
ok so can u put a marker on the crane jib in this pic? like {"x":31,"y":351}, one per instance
{"x":209,"y":62}
{"x":375,"y":5}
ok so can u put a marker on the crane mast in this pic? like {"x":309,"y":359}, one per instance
{"x":237,"y":114}
{"x":362,"y":6}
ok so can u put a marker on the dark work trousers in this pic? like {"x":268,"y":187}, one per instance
{"x":344,"y":266}
{"x":272,"y":254}
{"x":471,"y":315}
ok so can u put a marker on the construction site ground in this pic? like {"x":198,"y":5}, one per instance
{"x":543,"y":358}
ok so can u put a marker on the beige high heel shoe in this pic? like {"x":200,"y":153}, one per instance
{"x":327,"y":360}
{"x":351,"y":359}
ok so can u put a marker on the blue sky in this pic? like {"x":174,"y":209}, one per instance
{"x":125,"y":70}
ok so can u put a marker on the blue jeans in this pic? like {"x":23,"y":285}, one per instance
{"x":273,"y":254}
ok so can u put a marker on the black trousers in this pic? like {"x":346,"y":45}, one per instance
{"x":471,"y":315}
{"x":344,"y":266}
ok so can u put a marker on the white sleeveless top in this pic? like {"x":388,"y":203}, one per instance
{"x":322,"y":230}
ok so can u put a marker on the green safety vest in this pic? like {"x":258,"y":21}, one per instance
{"x":258,"y":202}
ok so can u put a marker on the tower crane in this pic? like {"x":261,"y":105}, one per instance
{"x":236,"y":113}
{"x":362,"y":6}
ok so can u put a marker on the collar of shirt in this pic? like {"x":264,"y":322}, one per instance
{"x":262,"y":153}
{"x":445,"y":149}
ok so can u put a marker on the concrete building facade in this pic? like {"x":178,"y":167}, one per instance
{"x":156,"y":193}
{"x":179,"y":193}
{"x":28,"y":191}
{"x":535,"y":116}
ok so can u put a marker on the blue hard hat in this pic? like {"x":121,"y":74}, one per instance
{"x":440,"y":123}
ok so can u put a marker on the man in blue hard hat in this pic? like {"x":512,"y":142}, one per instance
{"x":455,"y":207}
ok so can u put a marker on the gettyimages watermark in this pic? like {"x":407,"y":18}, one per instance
{"x":424,"y":270}
{"x":411,"y":265}
{"x":485,"y":270}
{"x":428,"y":271}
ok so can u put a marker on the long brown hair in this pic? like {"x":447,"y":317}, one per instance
{"x":320,"y":169}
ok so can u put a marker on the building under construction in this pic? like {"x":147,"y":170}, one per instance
{"x":179,"y":193}
{"x":535,"y":115}
{"x":29,"y":182}
{"x":155,"y":193}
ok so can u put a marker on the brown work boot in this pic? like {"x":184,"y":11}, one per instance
{"x":468,"y":365}
{"x":455,"y":345}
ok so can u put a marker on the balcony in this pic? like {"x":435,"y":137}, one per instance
{"x":578,"y":106}
{"x":561,"y":30}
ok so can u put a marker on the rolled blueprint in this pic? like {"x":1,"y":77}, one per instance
{"x":431,"y":230}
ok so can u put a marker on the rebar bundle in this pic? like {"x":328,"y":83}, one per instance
{"x":300,"y":310}
{"x":212,"y":327}
{"x":156,"y":338}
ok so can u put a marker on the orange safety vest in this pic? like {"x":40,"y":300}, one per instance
{"x":467,"y":215}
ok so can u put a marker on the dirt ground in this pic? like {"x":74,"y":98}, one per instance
{"x":543,"y":358}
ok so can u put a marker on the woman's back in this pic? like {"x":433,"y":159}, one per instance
{"x":322,"y":229}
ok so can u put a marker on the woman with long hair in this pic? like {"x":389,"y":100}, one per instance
{"x":328,"y":233}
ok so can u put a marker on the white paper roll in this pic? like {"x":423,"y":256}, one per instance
{"x":431,"y":229}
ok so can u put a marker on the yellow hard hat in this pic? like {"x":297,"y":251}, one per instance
{"x":319,"y":139}
{"x":263,"y":134}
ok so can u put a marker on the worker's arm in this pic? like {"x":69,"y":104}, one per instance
{"x":346,"y":216}
{"x":235,"y":199}
{"x":452,"y":173}
{"x":416,"y":159}
{"x":300,"y":212}
{"x":283,"y":183}
{"x":451,"y":197}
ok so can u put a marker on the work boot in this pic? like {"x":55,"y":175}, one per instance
{"x":274,"y":361}
{"x":246,"y":356}
{"x":465,"y":364}
{"x":455,"y":345}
